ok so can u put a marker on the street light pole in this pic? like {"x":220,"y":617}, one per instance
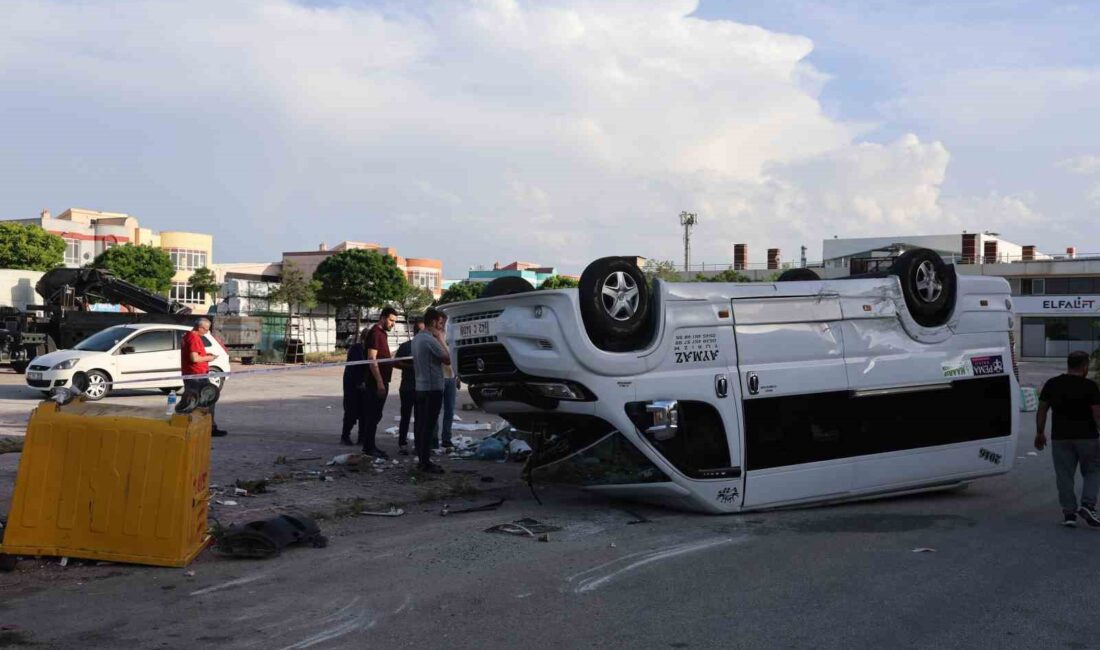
{"x":687,"y":220}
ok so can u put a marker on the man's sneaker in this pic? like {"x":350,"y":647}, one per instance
{"x":403,"y":450}
{"x":218,"y":433}
{"x":1070,"y":520}
{"x":1090,"y":516}
{"x":377,"y":453}
{"x":346,"y":441}
{"x":432,"y":468}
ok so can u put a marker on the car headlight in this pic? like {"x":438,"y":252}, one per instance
{"x":67,"y":364}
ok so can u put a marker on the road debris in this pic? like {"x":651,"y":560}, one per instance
{"x":268,"y":537}
{"x":394,"y":511}
{"x":924,"y":550}
{"x":11,"y":445}
{"x":225,"y":502}
{"x":482,"y":508}
{"x":346,"y":459}
{"x":526,"y":526}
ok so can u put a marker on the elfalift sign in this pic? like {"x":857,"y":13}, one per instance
{"x":1036,"y":305}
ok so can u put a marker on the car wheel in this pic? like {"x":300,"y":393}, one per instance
{"x":20,"y":366}
{"x":98,"y":385}
{"x":614,"y":301}
{"x":798,"y":275}
{"x":506,"y":286}
{"x":927,"y":284}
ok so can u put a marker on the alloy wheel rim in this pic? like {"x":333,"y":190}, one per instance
{"x":619,"y":296}
{"x":928,"y":284}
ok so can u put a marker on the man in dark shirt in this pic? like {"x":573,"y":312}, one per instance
{"x":355,"y":378}
{"x":408,"y":388}
{"x":377,"y":348}
{"x":1075,"y":400}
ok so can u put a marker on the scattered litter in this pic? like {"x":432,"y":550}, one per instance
{"x":378,"y":461}
{"x":189,"y":574}
{"x":611,"y":545}
{"x":328,"y":407}
{"x":327,"y":479}
{"x":345,"y":459}
{"x":392,"y":512}
{"x":482,"y":508}
{"x":393,"y":431}
{"x":924,"y":550}
{"x":470,"y":407}
{"x":527,"y":526}
{"x":309,"y":458}
{"x":519,"y":450}
{"x":268,"y":537}
{"x":490,"y":449}
{"x":1032,"y":453}
{"x":396,"y":462}
{"x":225,"y":502}
{"x":64,"y":561}
{"x":481,"y":426}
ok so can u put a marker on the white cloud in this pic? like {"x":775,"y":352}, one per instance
{"x":472,"y":131}
{"x":1087,"y":164}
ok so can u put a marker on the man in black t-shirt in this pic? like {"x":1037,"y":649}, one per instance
{"x":1075,"y":400}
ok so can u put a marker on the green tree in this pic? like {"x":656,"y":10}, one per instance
{"x":728,"y":275}
{"x":413,"y":300}
{"x":559,"y":282}
{"x":460,"y":291}
{"x":29,"y":247}
{"x":360,"y":279}
{"x":661,"y":269}
{"x":203,"y":280}
{"x":149,"y":268}
{"x":295,"y":290}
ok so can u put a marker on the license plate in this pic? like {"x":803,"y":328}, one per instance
{"x":34,"y":376}
{"x":473,"y":329}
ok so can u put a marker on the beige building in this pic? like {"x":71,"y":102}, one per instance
{"x":87,"y":233}
{"x":420,"y":272}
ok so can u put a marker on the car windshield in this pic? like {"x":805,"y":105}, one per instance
{"x":105,"y":340}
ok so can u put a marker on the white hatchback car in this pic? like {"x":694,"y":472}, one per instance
{"x":123,"y":353}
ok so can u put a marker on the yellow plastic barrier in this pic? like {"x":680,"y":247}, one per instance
{"x":115,"y":483}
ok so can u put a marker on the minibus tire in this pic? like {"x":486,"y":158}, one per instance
{"x":929,"y":303}
{"x":614,"y":325}
{"x":798,"y":275}
{"x":506,"y":286}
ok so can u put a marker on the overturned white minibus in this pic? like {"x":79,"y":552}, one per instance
{"x":726,"y":397}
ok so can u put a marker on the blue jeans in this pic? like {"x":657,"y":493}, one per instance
{"x":450,"y":392}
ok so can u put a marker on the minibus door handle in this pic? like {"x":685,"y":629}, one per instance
{"x":721,"y":386}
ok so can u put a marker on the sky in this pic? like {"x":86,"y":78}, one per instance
{"x":556,"y":131}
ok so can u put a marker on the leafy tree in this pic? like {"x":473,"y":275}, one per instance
{"x":29,"y":247}
{"x":559,"y":282}
{"x":360,"y":279}
{"x":460,"y":291}
{"x":728,"y":275}
{"x":203,"y":280}
{"x":662,"y":269}
{"x":148,"y":267}
{"x":295,"y":290}
{"x":413,"y":300}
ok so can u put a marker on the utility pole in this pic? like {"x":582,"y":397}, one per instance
{"x":687,"y":220}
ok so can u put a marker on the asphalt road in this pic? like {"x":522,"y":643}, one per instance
{"x":1003,"y":574}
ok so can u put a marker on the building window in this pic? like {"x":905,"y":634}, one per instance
{"x":424,"y":280}
{"x":72,"y":252}
{"x":182,"y":292}
{"x":1058,"y":336}
{"x":184,"y":259}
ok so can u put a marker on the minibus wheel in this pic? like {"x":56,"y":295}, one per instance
{"x":927,"y":284}
{"x":506,"y":286}
{"x":614,"y":300}
{"x":798,"y":275}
